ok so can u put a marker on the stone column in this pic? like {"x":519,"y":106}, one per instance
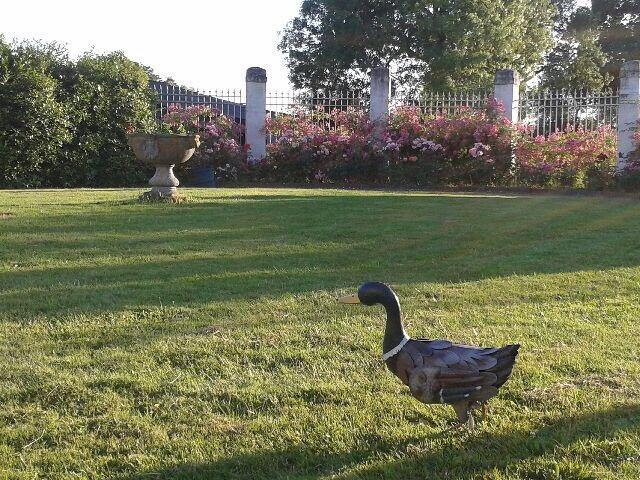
{"x":506,"y":89}
{"x":380,"y":93}
{"x":628,"y":110}
{"x":256,"y":111}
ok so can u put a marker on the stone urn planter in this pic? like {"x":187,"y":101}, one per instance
{"x":164,"y":151}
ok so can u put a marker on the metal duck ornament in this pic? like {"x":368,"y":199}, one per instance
{"x":438,"y":371}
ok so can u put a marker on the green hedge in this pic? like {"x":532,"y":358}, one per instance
{"x":63,"y":122}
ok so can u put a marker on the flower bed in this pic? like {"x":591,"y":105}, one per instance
{"x":470,"y":147}
{"x":321,"y":147}
{"x":575,"y":158}
{"x":467,"y":148}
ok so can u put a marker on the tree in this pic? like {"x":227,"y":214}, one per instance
{"x":619,"y":25}
{"x":332,"y":44}
{"x":107,"y":93}
{"x":564,"y":10}
{"x":441,"y":44}
{"x":577,"y":60}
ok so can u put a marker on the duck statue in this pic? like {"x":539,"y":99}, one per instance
{"x":438,"y":371}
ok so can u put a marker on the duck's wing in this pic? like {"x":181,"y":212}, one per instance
{"x":443,"y":372}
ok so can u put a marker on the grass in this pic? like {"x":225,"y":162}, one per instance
{"x":203,"y":340}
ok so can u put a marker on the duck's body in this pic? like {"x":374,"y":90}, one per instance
{"x":439,"y":371}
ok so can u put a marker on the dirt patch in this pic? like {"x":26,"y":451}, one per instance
{"x":5,"y":215}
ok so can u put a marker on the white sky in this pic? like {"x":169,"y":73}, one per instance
{"x":199,"y":43}
{"x":202,"y":44}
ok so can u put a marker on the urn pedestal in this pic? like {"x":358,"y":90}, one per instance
{"x":164,"y":151}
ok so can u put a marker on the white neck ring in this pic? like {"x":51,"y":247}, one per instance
{"x":395,"y":350}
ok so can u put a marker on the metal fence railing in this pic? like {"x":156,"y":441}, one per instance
{"x":542,"y":111}
{"x":316,"y":107}
{"x":441,"y":103}
{"x":229,"y":102}
{"x":314,"y":104}
{"x":545,"y":112}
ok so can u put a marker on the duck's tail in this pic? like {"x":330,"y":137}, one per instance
{"x":506,"y":357}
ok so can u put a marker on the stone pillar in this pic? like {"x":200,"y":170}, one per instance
{"x":628,"y":110}
{"x":256,"y":112}
{"x":380,"y":93}
{"x":506,"y":89}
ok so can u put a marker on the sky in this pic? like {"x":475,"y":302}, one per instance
{"x":200,"y":44}
{"x":204,"y":44}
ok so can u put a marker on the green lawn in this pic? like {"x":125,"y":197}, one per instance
{"x":203,"y":340}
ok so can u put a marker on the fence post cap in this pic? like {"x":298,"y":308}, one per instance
{"x":506,"y":77}
{"x":630,"y":68}
{"x":257,"y":75}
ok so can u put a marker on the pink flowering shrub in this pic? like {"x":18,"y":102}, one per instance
{"x":320,"y":147}
{"x":468,"y":147}
{"x":220,"y":137}
{"x":181,"y":120}
{"x":574,"y":158}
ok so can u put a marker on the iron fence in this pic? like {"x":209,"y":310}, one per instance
{"x":441,"y":103}
{"x":314,"y":105}
{"x":229,"y":102}
{"x":542,"y":111}
{"x":545,"y":112}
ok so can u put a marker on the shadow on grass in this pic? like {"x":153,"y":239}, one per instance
{"x":480,"y":454}
{"x":254,"y":246}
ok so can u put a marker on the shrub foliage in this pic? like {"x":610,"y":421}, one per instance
{"x":464,"y":148}
{"x":63,"y":122}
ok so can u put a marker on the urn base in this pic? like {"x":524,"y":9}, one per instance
{"x":153,"y":196}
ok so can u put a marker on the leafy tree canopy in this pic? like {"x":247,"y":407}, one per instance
{"x":619,"y":25}
{"x":592,"y":43}
{"x":441,"y":44}
{"x":577,"y":60}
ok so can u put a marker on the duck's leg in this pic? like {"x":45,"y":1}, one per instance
{"x":463,"y":411}
{"x":482,"y":406}
{"x":471,"y":423}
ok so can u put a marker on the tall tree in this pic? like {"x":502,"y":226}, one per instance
{"x":441,"y":44}
{"x":619,"y":25}
{"x":577,"y":60}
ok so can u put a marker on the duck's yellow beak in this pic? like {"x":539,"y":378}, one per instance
{"x":351,"y":299}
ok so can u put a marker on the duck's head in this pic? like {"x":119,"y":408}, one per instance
{"x":372,"y":293}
